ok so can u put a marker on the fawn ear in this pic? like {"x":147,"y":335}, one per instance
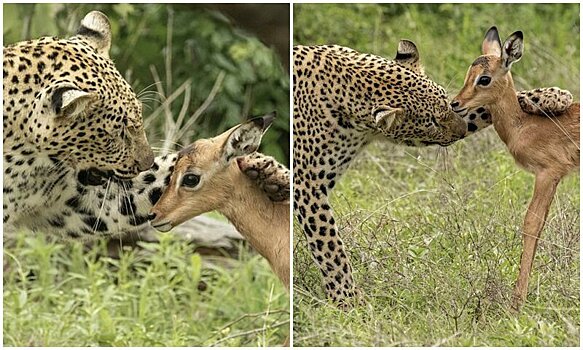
{"x":408,"y":56}
{"x":96,"y":30}
{"x":385,"y":116}
{"x":513,"y":49}
{"x":492,"y":44}
{"x":246,"y":138}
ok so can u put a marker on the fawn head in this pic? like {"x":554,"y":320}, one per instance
{"x":204,"y":177}
{"x":489,"y":78}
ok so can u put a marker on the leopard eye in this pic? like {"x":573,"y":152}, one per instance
{"x":190,"y":180}
{"x":484,"y":80}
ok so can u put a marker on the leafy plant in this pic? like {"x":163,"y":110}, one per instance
{"x":177,"y":58}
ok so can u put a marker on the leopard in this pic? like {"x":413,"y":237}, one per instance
{"x":344,"y":100}
{"x":68,"y":112}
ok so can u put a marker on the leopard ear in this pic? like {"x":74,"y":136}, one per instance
{"x":385,"y":116}
{"x":408,"y":56}
{"x":96,"y":30}
{"x":70,"y":102}
{"x":66,"y":101}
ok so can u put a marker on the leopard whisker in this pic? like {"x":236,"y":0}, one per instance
{"x":102,"y":206}
{"x":174,"y":143}
{"x":145,"y":90}
{"x":128,"y":201}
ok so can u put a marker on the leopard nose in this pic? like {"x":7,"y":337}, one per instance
{"x":147,"y":161}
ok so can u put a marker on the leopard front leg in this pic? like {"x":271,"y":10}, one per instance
{"x":315,"y":216}
{"x":542,"y":101}
{"x":268,"y":174}
{"x":317,"y":168}
{"x":545,"y":101}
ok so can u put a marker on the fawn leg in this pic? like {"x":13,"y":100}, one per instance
{"x":544,"y":190}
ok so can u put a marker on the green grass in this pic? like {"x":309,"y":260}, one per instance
{"x":434,"y":234}
{"x":58,"y":295}
{"x":434,"y":238}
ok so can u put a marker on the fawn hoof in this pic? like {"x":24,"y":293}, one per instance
{"x":516,"y":303}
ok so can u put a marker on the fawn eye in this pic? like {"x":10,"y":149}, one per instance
{"x":190,"y":180}
{"x":484,"y":80}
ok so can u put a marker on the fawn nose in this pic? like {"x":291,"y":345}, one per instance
{"x":151,"y":216}
{"x":454,"y":104}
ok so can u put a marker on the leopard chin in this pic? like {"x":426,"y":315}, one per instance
{"x":94,"y":176}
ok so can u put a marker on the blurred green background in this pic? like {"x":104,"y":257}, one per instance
{"x":449,"y":36}
{"x":173,"y":56}
{"x":434,"y":234}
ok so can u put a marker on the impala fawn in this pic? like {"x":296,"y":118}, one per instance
{"x":208,"y":176}
{"x":547,"y":146}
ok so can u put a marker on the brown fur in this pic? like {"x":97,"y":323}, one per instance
{"x":547,"y":146}
{"x":223,"y":187}
{"x":537,"y":143}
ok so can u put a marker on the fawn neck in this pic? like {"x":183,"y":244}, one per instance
{"x":506,"y":112}
{"x":265,"y":224}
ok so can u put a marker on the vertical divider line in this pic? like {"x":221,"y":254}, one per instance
{"x":291,"y":168}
